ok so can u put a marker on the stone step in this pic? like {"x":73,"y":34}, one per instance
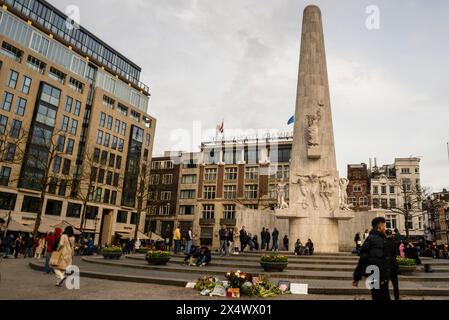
{"x":288,"y":273}
{"x":324,"y":287}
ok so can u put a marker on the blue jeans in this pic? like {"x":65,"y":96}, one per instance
{"x":47,"y":267}
{"x":7,"y":251}
{"x":189,"y":244}
{"x":177,"y":246}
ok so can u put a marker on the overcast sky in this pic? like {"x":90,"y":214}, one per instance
{"x":205,"y":60}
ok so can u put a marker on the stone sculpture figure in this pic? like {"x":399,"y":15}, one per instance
{"x":313,"y":131}
{"x":344,"y":194}
{"x":280,"y":189}
{"x":303,"y":187}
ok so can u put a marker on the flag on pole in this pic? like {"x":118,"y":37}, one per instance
{"x":291,"y":120}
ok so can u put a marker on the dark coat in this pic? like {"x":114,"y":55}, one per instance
{"x":391,"y":253}
{"x":275,"y":235}
{"x":243,"y":236}
{"x":372,"y":253}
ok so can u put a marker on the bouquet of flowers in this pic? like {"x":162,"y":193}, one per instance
{"x":238,"y":278}
{"x":207,"y":283}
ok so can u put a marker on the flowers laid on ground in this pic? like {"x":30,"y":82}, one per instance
{"x":406,"y":261}
{"x":245,"y":283}
{"x":112,"y":249}
{"x":273,"y":258}
{"x":144,"y":249}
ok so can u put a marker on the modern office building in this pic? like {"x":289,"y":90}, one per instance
{"x":73,"y":120}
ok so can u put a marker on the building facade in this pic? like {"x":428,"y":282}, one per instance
{"x":235,"y":172}
{"x":437,"y":209}
{"x":396,"y":186}
{"x":359,"y":196}
{"x":74,"y":123}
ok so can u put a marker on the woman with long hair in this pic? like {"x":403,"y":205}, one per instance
{"x":67,"y":249}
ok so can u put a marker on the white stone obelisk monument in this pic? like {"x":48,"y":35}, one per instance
{"x":317,"y":194}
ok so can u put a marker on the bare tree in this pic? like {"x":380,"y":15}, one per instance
{"x":143,"y":190}
{"x":42,"y":163}
{"x":412,"y":196}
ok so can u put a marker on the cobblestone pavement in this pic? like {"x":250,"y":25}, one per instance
{"x":19,"y":281}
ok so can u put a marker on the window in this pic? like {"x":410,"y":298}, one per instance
{"x":118,"y":162}
{"x":10,"y":152}
{"x":114,"y":142}
{"x":76,"y":85}
{"x":363,"y":201}
{"x":26,"y":85}
{"x":46,"y":115}
{"x":410,"y":223}
{"x":420,"y":223}
{"x":108,"y":102}
{"x":405,"y":170}
{"x":102,"y":119}
{"x":251,"y":191}
{"x":156,"y":165}
{"x":91,"y":212}
{"x":111,"y":160}
{"x":57,"y":164}
{"x":62,"y":188}
{"x":392,"y":203}
{"x":109,"y":124}
{"x":209,"y":192}
{"x":133,"y":218}
{"x":11,"y":51}
{"x":104,"y":157}
{"x":352,"y":201}
{"x":50,"y":95}
{"x":106,"y":195}
{"x":70,"y":144}
{"x":390,"y":220}
{"x":375,"y":190}
{"x":65,"y":123}
{"x":167,"y":179}
{"x":147,"y":139}
{"x":15,"y":129}
{"x":152,"y":196}
{"x":208,"y":211}
{"x":122,"y":109}
{"x":187,"y":194}
{"x":122,"y":216}
{"x":252,"y":155}
{"x":154,"y":179}
{"x":272,"y":193}
{"x":116,"y":178}
{"x":186,"y":210}
{"x":21,"y":106}
{"x":7,"y":101}
{"x":68,"y":104}
{"x":77,"y":109}
{"x":98,"y":194}
{"x":96,"y":156}
{"x":281,"y":154}
{"x":113,"y":197}
{"x":375,"y":203}
{"x":121,"y":143}
{"x":73,"y":210}
{"x":230,"y":173}
{"x":188,"y":179}
{"x":107,"y":138}
{"x":383,"y":189}
{"x":210,"y":174}
{"x":99,"y":137}
{"x":60,"y":144}
{"x":53,"y":207}
{"x":57,"y":75}
{"x":229,"y":211}
{"x":100,"y":178}
{"x":123,"y":129}
{"x":168,"y":164}
{"x":384,"y":203}
{"x":109,"y":176}
{"x":164,"y":210}
{"x":230,"y":191}
{"x":36,"y":65}
{"x":5,"y":172}
{"x":251,"y":173}
{"x":135,"y":116}
{"x":13,"y":76}
{"x":392,"y":189}
{"x":66,"y":167}
{"x":416,"y":170}
{"x":231,"y":156}
{"x":31,"y":204}
{"x":357,"y":188}
{"x":3,"y":123}
{"x":165,"y":195}
{"x":117,"y":125}
{"x":211,"y":156}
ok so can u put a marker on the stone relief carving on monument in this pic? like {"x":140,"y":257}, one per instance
{"x":314,"y":186}
{"x":343,"y":194}
{"x":313,"y":129}
{"x":280,"y":189}
{"x":328,"y":186}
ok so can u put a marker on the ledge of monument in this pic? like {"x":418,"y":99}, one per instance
{"x":290,"y":213}
{"x":341,"y":215}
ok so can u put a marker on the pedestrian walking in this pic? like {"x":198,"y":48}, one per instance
{"x":189,"y":241}
{"x":372,"y":254}
{"x":177,"y":239}
{"x":66,"y":249}
{"x":391,"y":252}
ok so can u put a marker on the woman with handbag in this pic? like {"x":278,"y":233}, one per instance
{"x":63,"y":257}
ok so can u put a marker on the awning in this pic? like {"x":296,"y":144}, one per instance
{"x":64,"y":224}
{"x":18,"y":227}
{"x":44,"y":227}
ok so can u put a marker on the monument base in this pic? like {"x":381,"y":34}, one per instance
{"x":322,"y":231}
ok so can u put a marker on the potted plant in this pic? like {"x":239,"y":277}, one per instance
{"x":406,"y":265}
{"x":113,"y":252}
{"x":157,"y":257}
{"x":273,"y":262}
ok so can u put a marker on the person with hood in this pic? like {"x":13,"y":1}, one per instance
{"x":67,"y":250}
{"x":391,"y":253}
{"x":372,"y":254}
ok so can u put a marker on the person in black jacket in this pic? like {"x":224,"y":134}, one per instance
{"x":262,"y":238}
{"x":286,"y":243}
{"x":391,"y":252}
{"x":275,"y":237}
{"x":267,"y":238}
{"x":243,"y":239}
{"x":372,"y":255}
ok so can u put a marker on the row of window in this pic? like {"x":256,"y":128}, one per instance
{"x":103,"y":195}
{"x":165,"y":164}
{"x":105,"y":139}
{"x":251,"y":173}
{"x":251,"y":155}
{"x":208,"y":211}
{"x":14,"y":130}
{"x":106,"y":121}
{"x":99,"y":175}
{"x":7,"y":103}
{"x":102,"y":158}
{"x":166,"y":179}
